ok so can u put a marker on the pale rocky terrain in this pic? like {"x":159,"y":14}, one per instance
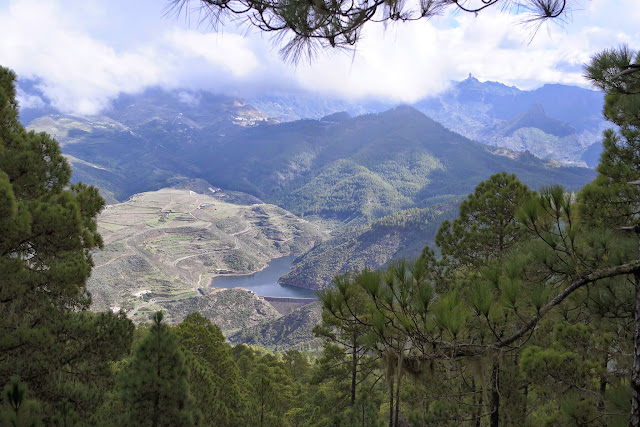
{"x":165,"y":246}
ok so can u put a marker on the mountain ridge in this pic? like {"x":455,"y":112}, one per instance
{"x":363,"y":167}
{"x":470,"y":107}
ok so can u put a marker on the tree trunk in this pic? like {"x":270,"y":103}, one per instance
{"x":155,"y":418}
{"x":495,"y":395}
{"x":634,"y":421}
{"x":391,"y":403}
{"x":354,"y":369}
{"x":526,"y":402}
{"x":398,"y":382}
{"x":479,"y":407}
{"x":603,"y":384}
{"x":262,"y":402}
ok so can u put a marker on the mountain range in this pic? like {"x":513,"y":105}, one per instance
{"x":357,"y":172}
{"x":378,"y":178}
{"x":555,"y":121}
{"x":352,"y":168}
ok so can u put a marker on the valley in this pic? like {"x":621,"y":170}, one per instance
{"x":165,"y":246}
{"x":331,"y":191}
{"x":311,"y":214}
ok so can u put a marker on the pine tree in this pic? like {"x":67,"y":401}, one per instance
{"x":307,"y":26}
{"x":17,"y":409}
{"x":612,"y":201}
{"x":486,"y":228}
{"x":153,"y":387}
{"x":47,"y":230}
{"x":213,"y":357}
{"x":484,"y":233}
{"x":342,"y":304}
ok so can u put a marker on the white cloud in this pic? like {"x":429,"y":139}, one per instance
{"x":85,"y":53}
{"x":77,"y":72}
{"x":26,"y":100}
{"x":230,"y":52}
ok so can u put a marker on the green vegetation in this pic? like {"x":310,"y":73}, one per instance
{"x":293,"y":331}
{"x":528,"y":306}
{"x":368,"y":167}
{"x":230,"y":309}
{"x":49,"y":339}
{"x":354,"y":170}
{"x":153,"y":386}
{"x":522,"y":319}
{"x":402,"y":234}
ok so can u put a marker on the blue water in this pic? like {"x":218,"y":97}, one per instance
{"x":265,"y":282}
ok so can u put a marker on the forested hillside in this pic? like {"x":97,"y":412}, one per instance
{"x":369,"y":166}
{"x":523,"y":310}
{"x":355,"y":169}
{"x":400,"y":235}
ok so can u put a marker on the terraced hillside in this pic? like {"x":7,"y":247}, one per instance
{"x":165,"y":246}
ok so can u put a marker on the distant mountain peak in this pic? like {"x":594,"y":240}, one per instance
{"x":338,"y":117}
{"x":537,"y":109}
{"x":473,"y":90}
{"x":536,"y":117}
{"x":406,"y":110}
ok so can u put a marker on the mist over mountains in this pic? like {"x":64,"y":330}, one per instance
{"x":555,"y":121}
{"x":352,"y":168}
{"x":353,"y":164}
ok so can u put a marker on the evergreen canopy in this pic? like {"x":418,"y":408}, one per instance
{"x":308,"y":24}
{"x":47,"y":230}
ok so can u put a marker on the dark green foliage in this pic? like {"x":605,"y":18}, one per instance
{"x":487,"y":226}
{"x":512,"y":256}
{"x":153,"y":387}
{"x":47,"y":229}
{"x":412,"y":219}
{"x":347,"y":340}
{"x":205,"y":389}
{"x":524,"y":319}
{"x":17,"y":409}
{"x":609,"y":200}
{"x":213,"y":373}
{"x":267,"y":386}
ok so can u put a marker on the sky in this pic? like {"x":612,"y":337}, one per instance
{"x":83,"y":53}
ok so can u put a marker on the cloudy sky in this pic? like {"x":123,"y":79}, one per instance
{"x":84,"y":52}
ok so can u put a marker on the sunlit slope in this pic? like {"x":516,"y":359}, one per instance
{"x":352,"y":169}
{"x":166,"y":245}
{"x":368,"y":166}
{"x":401,"y":235}
{"x":293,"y":331}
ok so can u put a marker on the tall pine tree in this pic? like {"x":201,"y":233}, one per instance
{"x":47,"y":230}
{"x":153,"y":387}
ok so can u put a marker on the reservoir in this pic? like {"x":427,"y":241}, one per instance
{"x":265,"y":282}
